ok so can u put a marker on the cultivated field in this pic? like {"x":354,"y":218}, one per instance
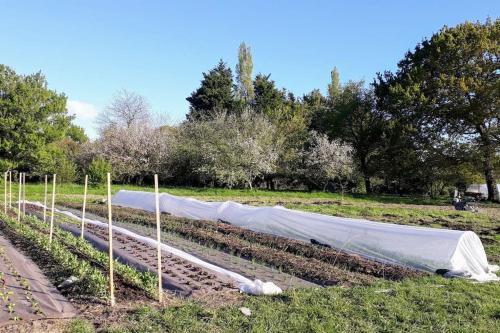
{"x":326,"y":290}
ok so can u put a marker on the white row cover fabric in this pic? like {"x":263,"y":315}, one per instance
{"x":429,"y":249}
{"x":479,"y":189}
{"x":245,"y":285}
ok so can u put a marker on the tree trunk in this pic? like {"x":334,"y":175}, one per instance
{"x":364,"y":171}
{"x":269,"y":182}
{"x":491,"y":183}
{"x":489,"y":169}
{"x":368,"y":185}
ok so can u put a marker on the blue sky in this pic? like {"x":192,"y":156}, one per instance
{"x":91,"y":49}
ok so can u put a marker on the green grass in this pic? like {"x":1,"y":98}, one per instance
{"x":79,"y":326}
{"x":36,"y":191}
{"x":425,"y":305}
{"x":431,"y":304}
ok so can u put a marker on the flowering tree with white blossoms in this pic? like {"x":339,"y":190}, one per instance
{"x":230,"y":149}
{"x":326,"y":161}
{"x":134,"y":152}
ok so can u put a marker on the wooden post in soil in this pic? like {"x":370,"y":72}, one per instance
{"x":158,"y":240}
{"x":10,"y":188}
{"x":110,"y":245}
{"x":19,"y":199}
{"x":24,"y":194}
{"x":5,"y":193}
{"x":52,"y":208}
{"x":45,"y":202}
{"x":84,"y":203}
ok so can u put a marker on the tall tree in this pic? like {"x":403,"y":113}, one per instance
{"x":214,"y":94}
{"x":244,"y":68}
{"x":268,"y":98}
{"x":31,"y":118}
{"x":357,"y":122}
{"x":450,"y":84}
{"x":352,"y":117}
{"x":126,"y":109}
{"x":334,"y":85}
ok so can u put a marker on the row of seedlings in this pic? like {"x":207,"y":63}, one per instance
{"x":22,"y":200}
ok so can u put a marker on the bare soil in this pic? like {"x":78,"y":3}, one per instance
{"x":318,"y":264}
{"x":29,"y":301}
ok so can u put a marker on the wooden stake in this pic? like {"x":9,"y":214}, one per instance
{"x":84,"y":203}
{"x":45,"y":202}
{"x":10,"y":188}
{"x":52,"y":210}
{"x":24,"y":194}
{"x":5,"y":193}
{"x":19,"y":200}
{"x":158,"y":240}
{"x":110,"y":245}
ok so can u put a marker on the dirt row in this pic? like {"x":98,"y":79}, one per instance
{"x":176,"y":271}
{"x":58,"y":274}
{"x":251,"y":269}
{"x":318,"y":264}
{"x":179,"y":275}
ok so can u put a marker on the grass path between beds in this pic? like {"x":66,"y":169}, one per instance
{"x":425,"y":305}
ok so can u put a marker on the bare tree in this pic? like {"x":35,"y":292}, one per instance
{"x":126,"y":109}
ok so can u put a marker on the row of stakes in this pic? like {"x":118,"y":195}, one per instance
{"x":21,"y":210}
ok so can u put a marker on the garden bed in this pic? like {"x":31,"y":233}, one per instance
{"x":25,"y":293}
{"x":70,"y":256}
{"x":179,"y":275}
{"x":318,"y":264}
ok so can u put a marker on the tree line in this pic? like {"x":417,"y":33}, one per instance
{"x":430,"y":125}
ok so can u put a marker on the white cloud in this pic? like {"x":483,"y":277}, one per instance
{"x":85,"y":116}
{"x":81,"y":110}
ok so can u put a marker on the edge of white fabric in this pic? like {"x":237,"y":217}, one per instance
{"x":245,"y":285}
{"x":461,"y":253}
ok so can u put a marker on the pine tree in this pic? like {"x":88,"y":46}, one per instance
{"x":214,"y":94}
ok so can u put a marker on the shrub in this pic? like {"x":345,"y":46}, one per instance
{"x":98,"y":170}
{"x":66,"y":171}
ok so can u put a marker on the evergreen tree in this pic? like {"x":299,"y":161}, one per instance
{"x":268,"y":99}
{"x":214,"y":94}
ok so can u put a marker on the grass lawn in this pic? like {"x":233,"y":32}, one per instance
{"x":427,"y":305}
{"x":415,"y":305}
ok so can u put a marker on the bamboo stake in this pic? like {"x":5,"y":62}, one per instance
{"x":45,"y":202}
{"x":19,"y":200}
{"x":84,"y":203}
{"x":110,"y":245}
{"x":10,"y":188}
{"x":24,"y":194}
{"x":5,"y":193}
{"x":52,"y":210}
{"x":158,"y":240}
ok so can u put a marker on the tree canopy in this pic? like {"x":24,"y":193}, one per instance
{"x":214,"y":93}
{"x":33,"y":118}
{"x":448,"y":88}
